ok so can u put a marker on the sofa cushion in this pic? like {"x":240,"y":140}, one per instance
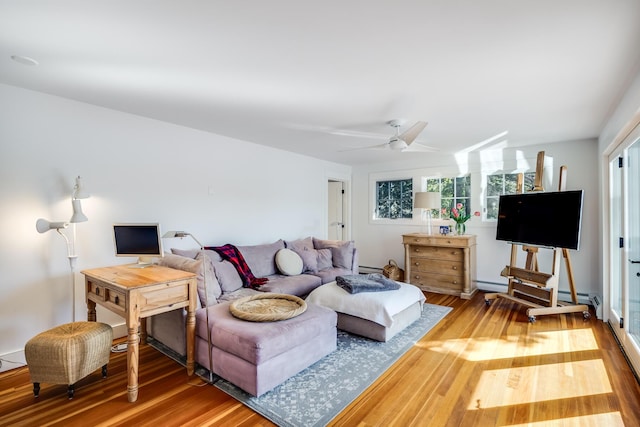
{"x":289,"y":263}
{"x":304,"y":248}
{"x":189,"y":253}
{"x":257,"y":342}
{"x":341,"y":251}
{"x":299,"y":285}
{"x":213,"y":289}
{"x":330,"y":274}
{"x":196,"y":266}
{"x":239,"y":293}
{"x":325,"y":259}
{"x":261,"y":259}
{"x":227,"y":276}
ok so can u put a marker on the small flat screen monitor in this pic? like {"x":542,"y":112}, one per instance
{"x":138,"y":240}
{"x":547,"y":219}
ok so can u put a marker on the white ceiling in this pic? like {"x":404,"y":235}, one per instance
{"x":300,"y":75}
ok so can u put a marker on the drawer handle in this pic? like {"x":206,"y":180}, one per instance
{"x":449,"y":241}
{"x":417,"y":263}
{"x":97,"y":291}
{"x":455,"y":282}
{"x":117,"y":300}
{"x":417,"y":249}
{"x":453,"y":252}
{"x":416,"y":277}
{"x":454,"y":268}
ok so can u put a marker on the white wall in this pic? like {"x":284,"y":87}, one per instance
{"x":379,"y":243}
{"x":137,"y":170}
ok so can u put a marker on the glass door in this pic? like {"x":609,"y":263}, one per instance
{"x":624,"y":289}
{"x":633,"y":214}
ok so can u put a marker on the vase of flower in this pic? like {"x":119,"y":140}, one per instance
{"x":460,"y":218}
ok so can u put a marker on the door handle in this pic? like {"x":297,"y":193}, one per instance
{"x":634,"y":262}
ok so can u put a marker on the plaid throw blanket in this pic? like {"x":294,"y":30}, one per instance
{"x":232,"y":254}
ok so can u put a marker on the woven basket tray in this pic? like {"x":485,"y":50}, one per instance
{"x":268,"y":307}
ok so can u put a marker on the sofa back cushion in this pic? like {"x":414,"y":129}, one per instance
{"x":261,"y":259}
{"x":341,"y":251}
{"x":227,"y":276}
{"x":325,"y":259}
{"x":304,"y":248}
{"x":213,"y":290}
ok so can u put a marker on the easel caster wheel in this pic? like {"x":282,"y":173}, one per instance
{"x":487,"y":302}
{"x":586,"y":315}
{"x":532,"y":319}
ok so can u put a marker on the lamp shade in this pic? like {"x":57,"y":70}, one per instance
{"x":42,"y":225}
{"x":173,"y":234}
{"x":78,"y":215}
{"x":427,"y":200}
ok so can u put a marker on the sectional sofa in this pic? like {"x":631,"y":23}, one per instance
{"x":321,"y":262}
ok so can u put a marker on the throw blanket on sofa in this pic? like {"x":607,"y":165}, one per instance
{"x":232,"y":254}
{"x":374,"y":282}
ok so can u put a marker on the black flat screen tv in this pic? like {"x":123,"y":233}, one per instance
{"x":138,"y":240}
{"x":547,"y":219}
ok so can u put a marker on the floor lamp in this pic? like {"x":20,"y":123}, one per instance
{"x":427,"y":201}
{"x":182,"y":234}
{"x":43,"y":225}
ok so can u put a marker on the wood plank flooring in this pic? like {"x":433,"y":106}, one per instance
{"x":480,"y":366}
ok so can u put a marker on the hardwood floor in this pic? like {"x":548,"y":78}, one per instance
{"x":480,"y":366}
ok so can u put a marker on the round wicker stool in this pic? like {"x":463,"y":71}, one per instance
{"x":68,"y":353}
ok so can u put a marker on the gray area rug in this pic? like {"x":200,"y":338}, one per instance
{"x":316,"y":395}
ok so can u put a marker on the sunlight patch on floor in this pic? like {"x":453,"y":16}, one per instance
{"x":535,"y":344}
{"x":610,"y":419}
{"x":516,"y":386}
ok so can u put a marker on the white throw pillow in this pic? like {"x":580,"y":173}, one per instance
{"x":289,"y":263}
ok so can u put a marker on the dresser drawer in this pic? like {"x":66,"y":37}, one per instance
{"x":438,"y":282}
{"x":174,"y":294}
{"x":437,"y":252}
{"x":116,"y":298}
{"x":96,"y":291}
{"x":437,"y":266}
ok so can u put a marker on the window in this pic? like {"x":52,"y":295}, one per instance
{"x":505,"y":183}
{"x":394,"y":199}
{"x":453,"y":191}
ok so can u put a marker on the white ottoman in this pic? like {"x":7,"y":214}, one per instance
{"x":375,"y":315}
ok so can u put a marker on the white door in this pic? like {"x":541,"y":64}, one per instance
{"x":336,"y":210}
{"x":624,"y":292}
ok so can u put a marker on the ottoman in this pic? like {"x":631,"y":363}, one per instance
{"x":257,"y":356}
{"x":376,"y":315}
{"x":68,"y":353}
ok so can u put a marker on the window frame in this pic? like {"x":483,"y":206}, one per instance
{"x":478,"y":185}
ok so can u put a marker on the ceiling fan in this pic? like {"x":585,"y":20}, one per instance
{"x":404,"y":141}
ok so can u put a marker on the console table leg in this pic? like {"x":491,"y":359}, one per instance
{"x":132,"y":358}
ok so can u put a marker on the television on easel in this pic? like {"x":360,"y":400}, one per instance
{"x":546,"y":219}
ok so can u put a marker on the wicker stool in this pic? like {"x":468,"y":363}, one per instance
{"x":68,"y":353}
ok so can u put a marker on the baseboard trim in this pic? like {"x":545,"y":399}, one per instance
{"x":12,"y":360}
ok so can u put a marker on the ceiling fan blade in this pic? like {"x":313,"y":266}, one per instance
{"x":420,"y":148}
{"x":412,"y":133}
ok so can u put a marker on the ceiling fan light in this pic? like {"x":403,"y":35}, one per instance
{"x":397,"y":144}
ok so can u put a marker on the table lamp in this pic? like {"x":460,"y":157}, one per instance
{"x":427,"y":201}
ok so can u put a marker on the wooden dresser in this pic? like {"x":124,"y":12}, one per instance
{"x":442,"y":264}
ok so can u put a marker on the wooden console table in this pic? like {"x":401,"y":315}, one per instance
{"x":137,"y":293}
{"x":442,"y":264}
